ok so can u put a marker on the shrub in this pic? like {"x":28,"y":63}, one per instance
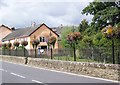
{"x":4,"y":45}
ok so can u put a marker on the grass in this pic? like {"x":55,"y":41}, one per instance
{"x":66,"y":58}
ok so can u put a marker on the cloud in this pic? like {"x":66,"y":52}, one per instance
{"x":53,"y":13}
{"x":2,"y":4}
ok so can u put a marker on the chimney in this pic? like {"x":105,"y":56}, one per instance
{"x":61,"y":26}
{"x":33,"y":24}
{"x":13,"y":28}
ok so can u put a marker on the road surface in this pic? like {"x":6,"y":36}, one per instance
{"x":15,"y":73}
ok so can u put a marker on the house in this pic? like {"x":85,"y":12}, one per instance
{"x":4,"y":31}
{"x":40,"y":32}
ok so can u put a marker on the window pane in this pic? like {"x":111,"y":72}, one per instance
{"x":40,"y":39}
{"x":43,"y":39}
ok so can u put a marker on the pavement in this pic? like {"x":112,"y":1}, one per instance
{"x":17,"y":73}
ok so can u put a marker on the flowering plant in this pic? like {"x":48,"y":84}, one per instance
{"x":9,"y":45}
{"x":51,"y":40}
{"x":73,"y":37}
{"x":35,"y":42}
{"x":16,"y":44}
{"x":24,"y":43}
{"x":108,"y":32}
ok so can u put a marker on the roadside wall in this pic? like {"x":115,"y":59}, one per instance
{"x":108,"y":71}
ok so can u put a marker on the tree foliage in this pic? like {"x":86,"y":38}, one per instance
{"x":104,"y":13}
{"x":64,"y":32}
{"x":83,"y":25}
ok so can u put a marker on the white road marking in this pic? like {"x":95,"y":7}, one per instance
{"x":3,"y":70}
{"x":37,"y":81}
{"x":17,"y":75}
{"x":65,"y":72}
{"x":77,"y":74}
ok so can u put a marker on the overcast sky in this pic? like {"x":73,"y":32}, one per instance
{"x":21,"y":13}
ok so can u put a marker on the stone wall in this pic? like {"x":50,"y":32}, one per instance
{"x":108,"y":71}
{"x":14,"y":59}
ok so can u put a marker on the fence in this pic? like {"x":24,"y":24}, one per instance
{"x":103,"y":55}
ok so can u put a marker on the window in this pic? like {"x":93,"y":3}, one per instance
{"x":42,"y":39}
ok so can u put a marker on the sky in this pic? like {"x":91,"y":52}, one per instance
{"x":21,"y":13}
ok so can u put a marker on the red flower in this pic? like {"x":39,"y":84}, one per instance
{"x":71,"y":37}
{"x":35,"y":42}
{"x":16,"y":44}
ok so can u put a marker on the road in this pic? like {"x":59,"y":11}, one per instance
{"x":15,"y":73}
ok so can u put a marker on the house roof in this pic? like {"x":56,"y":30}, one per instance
{"x":23,"y":32}
{"x":5,"y":27}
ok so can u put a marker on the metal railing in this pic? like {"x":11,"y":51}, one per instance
{"x":101,"y":55}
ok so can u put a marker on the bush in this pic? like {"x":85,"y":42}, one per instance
{"x":4,"y":45}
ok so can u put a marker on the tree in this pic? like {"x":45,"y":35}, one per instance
{"x":64,"y":32}
{"x":88,"y":40}
{"x":83,"y":25}
{"x":104,"y":13}
{"x":97,"y":38}
{"x":51,"y":41}
{"x":72,"y":39}
{"x":116,"y":30}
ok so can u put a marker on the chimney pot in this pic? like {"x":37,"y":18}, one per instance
{"x":33,"y":24}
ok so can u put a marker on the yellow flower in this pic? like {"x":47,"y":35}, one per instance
{"x":109,"y":31}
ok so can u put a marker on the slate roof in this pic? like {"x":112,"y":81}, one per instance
{"x":23,"y":32}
